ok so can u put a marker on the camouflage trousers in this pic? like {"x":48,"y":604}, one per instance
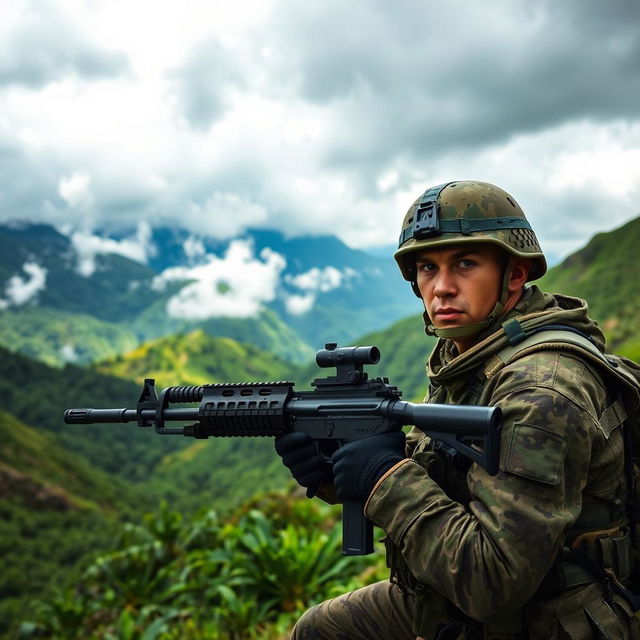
{"x":380,"y":611}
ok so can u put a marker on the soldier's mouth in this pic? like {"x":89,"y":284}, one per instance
{"x":448,"y":313}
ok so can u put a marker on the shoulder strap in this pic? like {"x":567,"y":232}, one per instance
{"x":546,"y":337}
{"x":553,"y":337}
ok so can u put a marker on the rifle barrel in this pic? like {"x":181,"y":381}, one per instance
{"x":95,"y":416}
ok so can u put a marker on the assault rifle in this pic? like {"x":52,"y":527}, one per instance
{"x":341,"y":408}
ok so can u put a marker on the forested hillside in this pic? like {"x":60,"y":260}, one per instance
{"x":81,"y":480}
{"x":119,"y":520}
{"x":55,"y":510}
{"x":197,"y":358}
{"x":605,"y":274}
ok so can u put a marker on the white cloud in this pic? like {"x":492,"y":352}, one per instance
{"x":224,"y":215}
{"x":19,"y":290}
{"x":236,"y":285}
{"x":75,"y":189}
{"x":68,"y":353}
{"x":313,"y":282}
{"x":88,"y":246}
{"x":319,"y":279}
{"x":298,"y":305}
{"x":194,"y":248}
{"x":278,"y":114}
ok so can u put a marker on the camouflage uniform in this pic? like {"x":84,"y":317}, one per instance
{"x":479,"y":548}
{"x":488,"y":551}
{"x":480,"y":556}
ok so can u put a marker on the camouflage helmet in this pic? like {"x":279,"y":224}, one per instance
{"x":465,"y":211}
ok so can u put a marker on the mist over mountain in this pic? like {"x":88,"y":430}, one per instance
{"x":286,"y":295}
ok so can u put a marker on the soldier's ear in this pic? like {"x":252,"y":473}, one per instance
{"x":520,"y":268}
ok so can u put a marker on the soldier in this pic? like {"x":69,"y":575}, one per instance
{"x":541,"y":550}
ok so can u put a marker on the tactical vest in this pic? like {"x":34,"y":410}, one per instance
{"x":597,"y":548}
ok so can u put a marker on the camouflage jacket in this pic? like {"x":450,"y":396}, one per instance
{"x":488,"y":551}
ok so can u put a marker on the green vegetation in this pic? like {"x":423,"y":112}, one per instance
{"x":42,"y":549}
{"x":37,"y":395}
{"x":54,"y":510}
{"x":34,"y":467}
{"x":185,"y":571}
{"x":194,"y":359}
{"x":249,"y":575}
{"x":57,"y":337}
{"x":62,"y":487}
{"x":605,"y":274}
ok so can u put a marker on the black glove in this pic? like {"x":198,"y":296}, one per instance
{"x":357,"y":466}
{"x":307,"y":465}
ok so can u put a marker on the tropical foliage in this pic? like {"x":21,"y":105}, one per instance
{"x":249,"y":575}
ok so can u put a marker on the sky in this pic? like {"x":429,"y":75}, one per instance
{"x":315,"y":117}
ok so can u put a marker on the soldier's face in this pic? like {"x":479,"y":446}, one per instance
{"x":460,"y":285}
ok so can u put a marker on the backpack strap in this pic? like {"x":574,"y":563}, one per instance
{"x":551,"y":336}
{"x":556,"y":336}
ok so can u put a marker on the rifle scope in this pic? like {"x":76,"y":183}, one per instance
{"x":332,"y":356}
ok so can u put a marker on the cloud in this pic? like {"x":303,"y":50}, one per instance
{"x":479,"y":91}
{"x":319,"y":279}
{"x":88,"y":246}
{"x":236,"y":285}
{"x":317,"y":118}
{"x":298,"y":305}
{"x":41,"y":44}
{"x":201,"y":83}
{"x":589,"y":180}
{"x":224,"y":214}
{"x":194,"y":248}
{"x":19,"y":290}
{"x":311,"y":283}
{"x":75,"y":190}
{"x":68,"y":353}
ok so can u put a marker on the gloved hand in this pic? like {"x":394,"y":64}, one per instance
{"x":308,"y":466}
{"x":357,"y":466}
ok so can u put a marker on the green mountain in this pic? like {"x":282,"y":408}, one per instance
{"x":604,"y":273}
{"x":111,"y":292}
{"x":38,"y":395}
{"x":62,"y":487}
{"x":194,"y":359}
{"x":57,"y":310}
{"x":51,"y":284}
{"x":57,"y":337}
{"x":266,"y":330}
{"x":55,"y":510}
